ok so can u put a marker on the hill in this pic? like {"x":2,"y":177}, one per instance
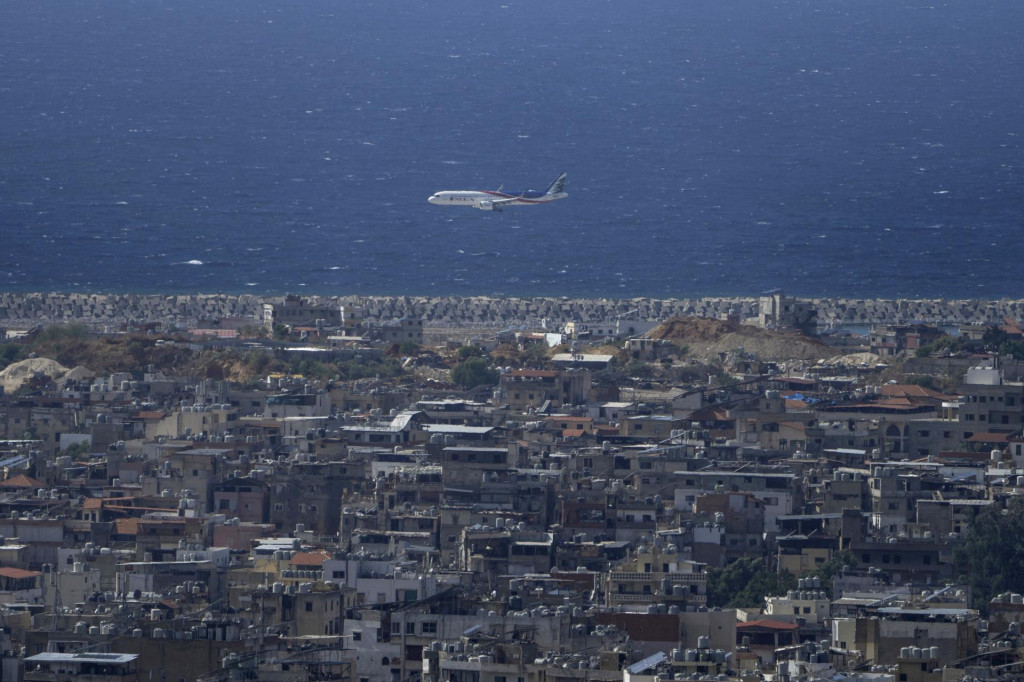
{"x":707,"y":338}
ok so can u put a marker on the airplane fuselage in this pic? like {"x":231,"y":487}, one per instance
{"x":487,"y":200}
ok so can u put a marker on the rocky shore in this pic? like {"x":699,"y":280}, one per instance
{"x":112,"y":310}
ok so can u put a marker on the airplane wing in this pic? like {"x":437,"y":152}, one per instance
{"x":505,"y":202}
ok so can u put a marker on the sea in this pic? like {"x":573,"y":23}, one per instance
{"x":854,"y":148}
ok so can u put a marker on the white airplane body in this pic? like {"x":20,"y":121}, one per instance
{"x":486,"y":200}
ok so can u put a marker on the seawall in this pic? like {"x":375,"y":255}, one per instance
{"x":187,"y":310}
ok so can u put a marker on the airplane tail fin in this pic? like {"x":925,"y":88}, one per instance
{"x":558,"y":186}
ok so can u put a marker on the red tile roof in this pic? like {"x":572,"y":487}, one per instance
{"x":990,"y":437}
{"x":17,"y":573}
{"x":310,"y":558}
{"x":22,"y":481}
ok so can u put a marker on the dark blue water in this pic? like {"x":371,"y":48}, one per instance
{"x":714,"y":147}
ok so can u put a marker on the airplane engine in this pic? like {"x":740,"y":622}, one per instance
{"x":487,"y":206}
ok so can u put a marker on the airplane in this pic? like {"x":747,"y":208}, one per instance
{"x":487,"y":200}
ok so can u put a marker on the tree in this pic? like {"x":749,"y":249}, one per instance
{"x":991,"y":558}
{"x":253,"y":331}
{"x":826,"y":570}
{"x":10,"y":353}
{"x":77,"y":449}
{"x":745,"y":583}
{"x":474,"y":372}
{"x":1013,"y":348}
{"x":463,"y":353}
{"x":214,"y":370}
{"x":639,"y":368}
{"x":60,"y":332}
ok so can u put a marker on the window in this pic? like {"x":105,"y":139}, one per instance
{"x":429,"y":627}
{"x":309,"y":607}
{"x":410,"y":628}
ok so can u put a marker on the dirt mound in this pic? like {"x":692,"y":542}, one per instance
{"x":13,"y":376}
{"x":695,"y":329}
{"x":707,"y":338}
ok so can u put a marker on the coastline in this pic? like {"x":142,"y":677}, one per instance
{"x":483,"y":312}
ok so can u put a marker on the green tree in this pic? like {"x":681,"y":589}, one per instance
{"x":639,"y":368}
{"x":474,"y":372}
{"x":257,"y":361}
{"x":534,"y":355}
{"x":828,"y":569}
{"x":77,"y":449}
{"x":955,"y":344}
{"x":463,"y":353}
{"x":745,"y":583}
{"x":1012,"y":348}
{"x":60,"y":332}
{"x":363,"y":368}
{"x":11,"y":353}
{"x":991,"y":557}
{"x":253,"y":331}
{"x":994,"y":337}
{"x":409,"y":348}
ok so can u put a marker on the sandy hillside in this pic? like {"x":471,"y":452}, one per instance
{"x":706,"y":338}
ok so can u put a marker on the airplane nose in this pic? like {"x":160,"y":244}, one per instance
{"x":432,"y":198}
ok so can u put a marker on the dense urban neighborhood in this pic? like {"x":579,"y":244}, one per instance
{"x":315,"y":492}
